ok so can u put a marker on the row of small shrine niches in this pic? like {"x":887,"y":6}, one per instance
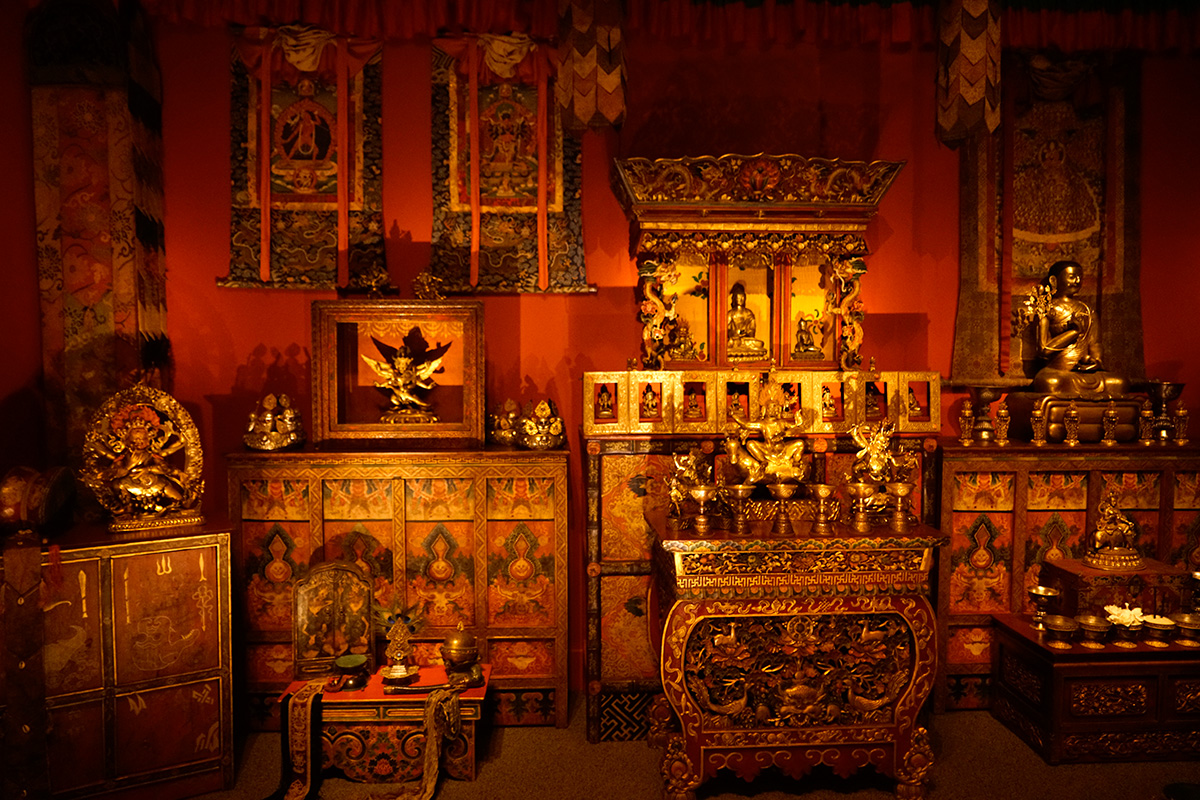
{"x":699,"y":402}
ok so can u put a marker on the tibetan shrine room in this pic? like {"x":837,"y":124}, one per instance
{"x":600,"y":400}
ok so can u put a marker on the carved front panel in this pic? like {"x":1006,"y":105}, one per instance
{"x":1100,"y":698}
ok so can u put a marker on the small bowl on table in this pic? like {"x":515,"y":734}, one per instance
{"x":1127,"y":636}
{"x":1059,"y":631}
{"x":1158,"y":631}
{"x":1187,"y":629}
{"x":1094,"y":629}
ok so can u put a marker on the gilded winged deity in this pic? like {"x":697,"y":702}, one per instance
{"x":405,"y":373}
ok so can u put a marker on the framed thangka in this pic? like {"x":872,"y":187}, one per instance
{"x":507,"y":213}
{"x":306,"y":161}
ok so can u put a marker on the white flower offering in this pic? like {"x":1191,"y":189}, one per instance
{"x":1124,"y":616}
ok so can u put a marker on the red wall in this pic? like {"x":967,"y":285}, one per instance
{"x":232,"y":346}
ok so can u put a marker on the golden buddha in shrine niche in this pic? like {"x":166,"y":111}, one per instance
{"x":740,"y":325}
{"x":1068,"y":340}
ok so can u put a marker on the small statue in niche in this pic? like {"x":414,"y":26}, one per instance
{"x":693,"y":404}
{"x":914,"y":405}
{"x":828,"y":407}
{"x":650,"y":408}
{"x":406,"y":371}
{"x":1067,"y":338}
{"x":604,"y":403}
{"x":808,"y":331}
{"x":740,"y":325}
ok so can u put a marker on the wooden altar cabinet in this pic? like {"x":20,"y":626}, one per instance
{"x":1008,"y":510}
{"x":1084,"y":705}
{"x":477,"y":537}
{"x":793,"y":652}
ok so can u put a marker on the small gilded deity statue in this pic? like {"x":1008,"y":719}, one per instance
{"x":740,"y":325}
{"x":773,"y":458}
{"x":274,"y":426}
{"x":405,"y":374}
{"x":1068,"y":339}
{"x":604,"y":402}
{"x":650,"y":403}
{"x":1111,"y":547}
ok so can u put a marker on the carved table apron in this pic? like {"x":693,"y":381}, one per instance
{"x":794,"y":652}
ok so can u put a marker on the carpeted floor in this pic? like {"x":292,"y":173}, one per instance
{"x":977,"y":758}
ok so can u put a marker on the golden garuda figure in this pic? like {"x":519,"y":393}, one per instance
{"x":405,"y":375}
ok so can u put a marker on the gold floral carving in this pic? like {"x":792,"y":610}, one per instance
{"x":1108,"y":700}
{"x":775,"y":179}
{"x":678,"y":771}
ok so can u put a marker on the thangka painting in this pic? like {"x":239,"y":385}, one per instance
{"x":306,"y":160}
{"x":1056,"y":182}
{"x":506,"y":181}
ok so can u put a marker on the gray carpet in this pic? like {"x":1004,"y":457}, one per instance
{"x":976,"y":759}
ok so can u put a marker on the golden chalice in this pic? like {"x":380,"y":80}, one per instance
{"x":702,"y":493}
{"x":861,"y":492}
{"x":783,"y":492}
{"x":1041,"y":596}
{"x":822,"y":524}
{"x":740,"y":492}
{"x":900,"y":490}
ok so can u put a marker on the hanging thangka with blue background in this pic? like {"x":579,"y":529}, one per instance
{"x":306,"y":164}
{"x":507,"y":209}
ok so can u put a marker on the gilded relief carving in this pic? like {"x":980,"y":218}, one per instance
{"x":1017,"y":675}
{"x":798,"y":671}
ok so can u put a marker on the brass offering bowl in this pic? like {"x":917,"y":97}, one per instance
{"x":1094,"y":630}
{"x":1127,"y":636}
{"x":1059,"y":631}
{"x":1158,"y":632}
{"x":1187,"y":629}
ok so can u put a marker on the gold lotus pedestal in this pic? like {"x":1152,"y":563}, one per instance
{"x":794,"y":651}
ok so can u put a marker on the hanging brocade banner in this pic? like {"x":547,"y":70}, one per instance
{"x":306,"y":160}
{"x":507,"y":208}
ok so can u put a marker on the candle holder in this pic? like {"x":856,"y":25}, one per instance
{"x":822,"y":524}
{"x":702,"y":493}
{"x":861,"y":493}
{"x":900,"y":490}
{"x":1041,"y":596}
{"x":1162,"y":393}
{"x":740,"y":492}
{"x":782,"y":492}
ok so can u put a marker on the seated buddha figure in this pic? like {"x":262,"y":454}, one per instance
{"x":1068,"y":342}
{"x":740,"y":325}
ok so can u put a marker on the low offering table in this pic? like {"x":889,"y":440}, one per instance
{"x":368,"y":735}
{"x":1085,"y":704}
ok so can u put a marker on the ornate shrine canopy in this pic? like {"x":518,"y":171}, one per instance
{"x":1150,"y":25}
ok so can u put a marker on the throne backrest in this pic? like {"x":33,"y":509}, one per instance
{"x":333,"y":616}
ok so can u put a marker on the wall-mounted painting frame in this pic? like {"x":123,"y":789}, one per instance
{"x":361,"y":390}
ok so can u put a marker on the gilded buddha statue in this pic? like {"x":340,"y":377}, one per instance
{"x":1068,"y":341}
{"x":1069,"y":370}
{"x":740,"y":326}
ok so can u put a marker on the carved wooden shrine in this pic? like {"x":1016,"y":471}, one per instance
{"x":793,"y":652}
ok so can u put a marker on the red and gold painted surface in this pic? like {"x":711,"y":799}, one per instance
{"x":372,"y":737}
{"x":630,"y":644}
{"x":797,"y":652}
{"x":477,"y":537}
